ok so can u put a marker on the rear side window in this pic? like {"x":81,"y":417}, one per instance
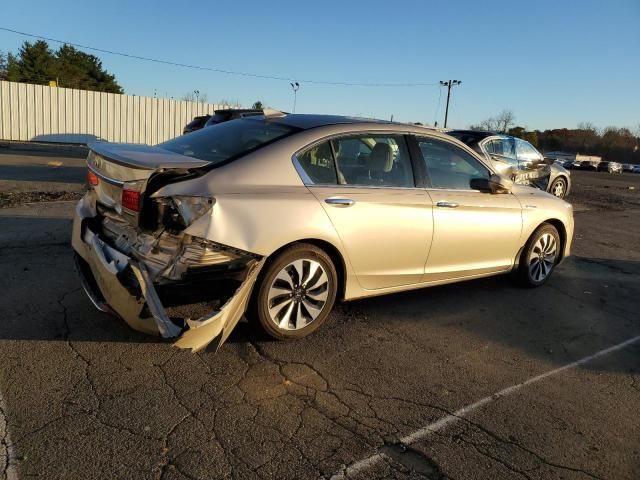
{"x":503,"y":147}
{"x":372,"y":160}
{"x":449,"y":167}
{"x":318,"y":165}
{"x":225,"y":141}
{"x":369,"y":160}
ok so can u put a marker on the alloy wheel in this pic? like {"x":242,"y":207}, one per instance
{"x":557,"y":188}
{"x":298,"y":294}
{"x":543,"y":257}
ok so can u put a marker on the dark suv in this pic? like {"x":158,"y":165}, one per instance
{"x":196,"y":124}
{"x":220,"y":116}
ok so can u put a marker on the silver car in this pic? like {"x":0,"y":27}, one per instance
{"x":518,"y":159}
{"x":280,"y":216}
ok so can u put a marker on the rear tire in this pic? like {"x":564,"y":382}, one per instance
{"x":295,"y":292}
{"x":540,"y":256}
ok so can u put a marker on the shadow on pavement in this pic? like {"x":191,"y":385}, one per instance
{"x":589,"y":304}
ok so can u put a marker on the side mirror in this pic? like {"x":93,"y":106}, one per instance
{"x":494,"y":184}
{"x":500,"y":184}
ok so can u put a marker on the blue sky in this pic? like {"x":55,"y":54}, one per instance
{"x":554,"y":63}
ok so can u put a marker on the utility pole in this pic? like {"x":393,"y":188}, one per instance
{"x":449,"y":84}
{"x":295,"y":86}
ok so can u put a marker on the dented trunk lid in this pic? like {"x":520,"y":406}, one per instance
{"x":123,"y":165}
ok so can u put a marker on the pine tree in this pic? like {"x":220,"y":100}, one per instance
{"x":34,"y":64}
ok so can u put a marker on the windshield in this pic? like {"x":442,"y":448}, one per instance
{"x":228,"y":140}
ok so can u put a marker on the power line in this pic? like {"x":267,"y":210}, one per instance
{"x":220,"y":70}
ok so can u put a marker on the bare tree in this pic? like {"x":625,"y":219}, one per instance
{"x":505,"y":120}
{"x":195,"y":97}
{"x":500,"y":123}
{"x":229,"y":103}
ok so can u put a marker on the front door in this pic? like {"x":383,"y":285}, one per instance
{"x":474,"y":232}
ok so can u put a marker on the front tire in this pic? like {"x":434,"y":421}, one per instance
{"x":295,"y":293}
{"x":558,"y":188}
{"x":540,"y":256}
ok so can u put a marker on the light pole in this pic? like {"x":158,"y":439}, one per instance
{"x":197,"y":94}
{"x":295,"y":86}
{"x":449,"y":84}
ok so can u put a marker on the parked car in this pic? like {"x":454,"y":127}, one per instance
{"x":565,"y":163}
{"x":588,"y":165}
{"x":196,"y":124}
{"x":611,"y":167}
{"x":220,"y":116}
{"x":627,"y":167}
{"x":282,"y":215}
{"x":519,"y":160}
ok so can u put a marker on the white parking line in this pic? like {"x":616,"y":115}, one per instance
{"x":8,"y":468}
{"x":458,"y":415}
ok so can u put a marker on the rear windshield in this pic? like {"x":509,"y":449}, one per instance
{"x":226,"y":141}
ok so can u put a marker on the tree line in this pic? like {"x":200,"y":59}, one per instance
{"x":69,"y":67}
{"x":611,"y":143}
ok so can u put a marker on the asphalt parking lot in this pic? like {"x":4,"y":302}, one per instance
{"x":469,"y":381}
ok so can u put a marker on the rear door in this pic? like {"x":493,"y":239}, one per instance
{"x":366,"y":185}
{"x":474,"y":232}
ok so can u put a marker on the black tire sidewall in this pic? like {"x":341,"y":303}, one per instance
{"x":523,"y":271}
{"x":259,"y":311}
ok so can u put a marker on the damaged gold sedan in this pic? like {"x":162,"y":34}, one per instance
{"x":278,"y":216}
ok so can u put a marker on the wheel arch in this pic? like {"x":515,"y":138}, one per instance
{"x":562,"y":231}
{"x":329,"y":249}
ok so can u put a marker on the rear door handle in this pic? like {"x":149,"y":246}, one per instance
{"x":447,"y":205}
{"x":339,"y":202}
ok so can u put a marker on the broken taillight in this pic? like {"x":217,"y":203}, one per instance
{"x":131,"y":200}
{"x":92,"y":178}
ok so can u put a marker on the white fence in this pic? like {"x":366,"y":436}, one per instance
{"x":51,"y":114}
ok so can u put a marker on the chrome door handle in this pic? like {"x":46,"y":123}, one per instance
{"x":339,"y":202}
{"x":447,"y":205}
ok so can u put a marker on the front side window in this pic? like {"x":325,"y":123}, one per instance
{"x":373,"y":160}
{"x":450,"y":167}
{"x":526,"y":152}
{"x":225,"y":141}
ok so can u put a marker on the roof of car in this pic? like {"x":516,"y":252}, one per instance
{"x":307,"y":121}
{"x":237,"y":110}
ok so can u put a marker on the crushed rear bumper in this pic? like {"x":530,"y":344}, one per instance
{"x":105,"y":275}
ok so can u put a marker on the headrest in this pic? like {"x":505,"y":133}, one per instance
{"x":381,"y":159}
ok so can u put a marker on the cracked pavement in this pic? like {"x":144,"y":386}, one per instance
{"x":86,"y":397}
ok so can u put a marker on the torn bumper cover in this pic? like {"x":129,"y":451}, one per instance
{"x":103,"y":270}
